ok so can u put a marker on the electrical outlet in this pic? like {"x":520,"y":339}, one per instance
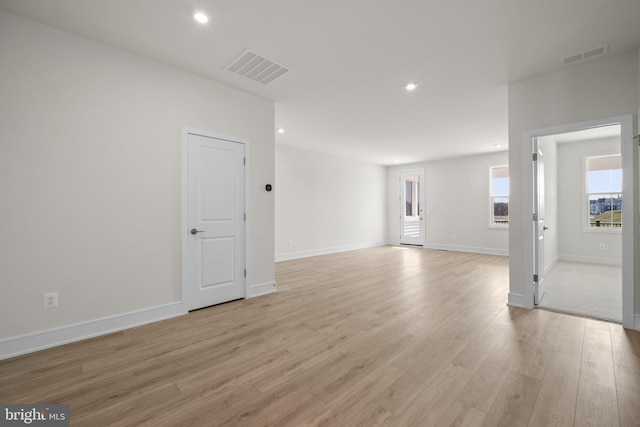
{"x":603,"y":247}
{"x":290,"y":242}
{"x":51,"y":300}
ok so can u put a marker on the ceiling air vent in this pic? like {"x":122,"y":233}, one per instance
{"x":256,"y":68}
{"x":585,"y":55}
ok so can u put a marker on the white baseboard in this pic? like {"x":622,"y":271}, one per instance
{"x":549,"y":267}
{"x":591,"y":260}
{"x":637,"y":322}
{"x":15,"y":346}
{"x":261,"y":289}
{"x":325,"y":251}
{"x":519,"y":300}
{"x":455,"y":248}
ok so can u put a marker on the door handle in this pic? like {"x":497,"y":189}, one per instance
{"x":194,"y":231}
{"x":545,"y":228}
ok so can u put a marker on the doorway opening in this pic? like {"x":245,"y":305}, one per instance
{"x":580,"y":260}
{"x":578,"y":202}
{"x":411,"y":207}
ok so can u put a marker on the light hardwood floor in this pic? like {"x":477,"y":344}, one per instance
{"x":387,"y":336}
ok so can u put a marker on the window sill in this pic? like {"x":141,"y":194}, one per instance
{"x":498,"y":227}
{"x":605,"y":230}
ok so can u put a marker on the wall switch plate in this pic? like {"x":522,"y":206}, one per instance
{"x":50,"y":300}
{"x":603,"y":247}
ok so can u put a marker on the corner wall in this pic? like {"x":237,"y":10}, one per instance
{"x":90,"y":179}
{"x":456,"y":205}
{"x":326,"y":204}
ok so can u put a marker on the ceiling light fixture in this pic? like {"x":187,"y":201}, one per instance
{"x":201,"y":17}
{"x":411,"y":86}
{"x":280,"y":130}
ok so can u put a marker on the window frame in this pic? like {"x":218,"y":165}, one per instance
{"x":492,"y":196}
{"x":586,"y":228}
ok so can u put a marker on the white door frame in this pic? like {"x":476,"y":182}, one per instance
{"x":629,"y":152}
{"x":422,"y":201}
{"x":184,"y":223}
{"x":539,"y":224}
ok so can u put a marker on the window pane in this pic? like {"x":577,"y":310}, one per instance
{"x":408,"y":198}
{"x":616,"y":180}
{"x":501,"y":210}
{"x":500,"y":186}
{"x":605,"y":210}
{"x":599,"y":181}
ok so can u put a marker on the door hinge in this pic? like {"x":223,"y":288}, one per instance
{"x":535,"y":217}
{"x":535,"y":278}
{"x":244,"y":161}
{"x":534,"y":156}
{"x":245,"y":216}
{"x":245,"y":272}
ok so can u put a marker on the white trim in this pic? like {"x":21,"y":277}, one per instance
{"x":184,"y":223}
{"x":636,"y":326}
{"x":550,"y":266}
{"x":337,"y":249}
{"x":517,"y":300}
{"x":325,"y":251}
{"x":15,"y":346}
{"x":629,"y":153}
{"x":472,"y":249}
{"x":591,"y":260}
{"x":261,"y":289}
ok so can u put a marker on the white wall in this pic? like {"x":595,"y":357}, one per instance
{"x":598,"y":89}
{"x":326,"y":204}
{"x":90,"y":176}
{"x":576,"y":244}
{"x":457,"y":204}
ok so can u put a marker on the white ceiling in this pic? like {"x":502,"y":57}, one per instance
{"x":350,"y":60}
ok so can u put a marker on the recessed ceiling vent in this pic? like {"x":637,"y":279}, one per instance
{"x":586,"y":55}
{"x":256,"y":68}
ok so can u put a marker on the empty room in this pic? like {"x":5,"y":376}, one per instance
{"x":333,"y":213}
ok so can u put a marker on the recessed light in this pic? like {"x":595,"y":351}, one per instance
{"x":411,"y":86}
{"x":396,"y":161}
{"x":201,"y":17}
{"x":498,"y":145}
{"x":281,"y":130}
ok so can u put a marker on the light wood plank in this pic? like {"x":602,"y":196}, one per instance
{"x":461,"y":415}
{"x":597,"y":406}
{"x":486,"y":383}
{"x":556,"y":403}
{"x":514,"y":404}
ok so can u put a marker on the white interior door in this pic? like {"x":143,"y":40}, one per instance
{"x":539,"y":227}
{"x":412,"y":207}
{"x":216,"y":221}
